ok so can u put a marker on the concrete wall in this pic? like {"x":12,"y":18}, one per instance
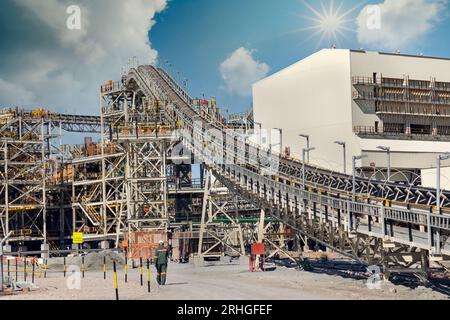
{"x":429,"y":178}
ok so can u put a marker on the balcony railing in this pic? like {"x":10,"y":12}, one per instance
{"x":112,"y":87}
{"x":401,"y":83}
{"x":382,"y":82}
{"x":374,"y":132}
{"x":422,"y":85}
{"x":444,"y":86}
{"x":362,"y":81}
{"x":445,"y":113}
{"x":390,"y":97}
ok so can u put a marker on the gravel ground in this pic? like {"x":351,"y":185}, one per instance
{"x":185,"y":281}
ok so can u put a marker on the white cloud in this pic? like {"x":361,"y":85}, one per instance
{"x":402,"y":22}
{"x":65,"y":74}
{"x":240,"y":70}
{"x":12,"y":95}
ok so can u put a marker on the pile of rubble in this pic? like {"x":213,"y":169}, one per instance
{"x":92,"y":261}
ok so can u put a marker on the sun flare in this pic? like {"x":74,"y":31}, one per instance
{"x":329,"y":23}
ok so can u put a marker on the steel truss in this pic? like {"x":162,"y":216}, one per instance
{"x":30,"y":201}
{"x":364,"y":227}
{"x":98,"y":189}
{"x":124,"y":185}
{"x":221,"y":230}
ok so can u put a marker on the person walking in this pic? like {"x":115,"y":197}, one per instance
{"x":161,"y":260}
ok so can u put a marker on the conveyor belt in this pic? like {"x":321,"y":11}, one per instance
{"x":275,"y":183}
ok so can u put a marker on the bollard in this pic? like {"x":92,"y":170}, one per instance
{"x":25,"y":269}
{"x":116,"y":284}
{"x":32,"y":272}
{"x":104,"y":267}
{"x":65,"y":267}
{"x":7,"y":265}
{"x":148,"y":274}
{"x":82,"y":266}
{"x":140,"y":271}
{"x":126,"y":268}
{"x":45,"y":268}
{"x":17,"y":269}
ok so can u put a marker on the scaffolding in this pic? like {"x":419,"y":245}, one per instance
{"x":31,"y":197}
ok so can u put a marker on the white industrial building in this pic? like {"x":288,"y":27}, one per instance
{"x":367,"y":99}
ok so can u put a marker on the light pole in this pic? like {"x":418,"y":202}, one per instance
{"x":355,"y":158}
{"x":304,"y":152}
{"x":441,"y":157}
{"x":344,"y":146}
{"x":307,"y":142}
{"x":259,"y":124}
{"x":388,"y":151}
{"x":227,"y":111}
{"x":281,"y":139}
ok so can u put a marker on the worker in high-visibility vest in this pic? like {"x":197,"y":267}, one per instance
{"x":161,"y":260}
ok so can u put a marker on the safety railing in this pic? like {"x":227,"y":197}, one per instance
{"x":112,"y":87}
{"x":416,"y":134}
{"x":391,"y":97}
{"x":427,"y":111}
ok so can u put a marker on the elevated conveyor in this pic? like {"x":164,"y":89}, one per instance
{"x":389,"y":224}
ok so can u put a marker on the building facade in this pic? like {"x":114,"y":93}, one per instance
{"x":367,"y":100}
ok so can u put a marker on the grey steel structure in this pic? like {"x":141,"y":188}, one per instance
{"x":34,"y":201}
{"x":149,"y":126}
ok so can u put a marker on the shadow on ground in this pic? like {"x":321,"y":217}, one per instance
{"x":355,"y":271}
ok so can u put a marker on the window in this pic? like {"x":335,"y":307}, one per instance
{"x":420,"y":129}
{"x":394,"y":128}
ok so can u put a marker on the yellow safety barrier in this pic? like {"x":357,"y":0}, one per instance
{"x":65,"y":267}
{"x":104,"y":267}
{"x":82,"y":266}
{"x":140,"y":271}
{"x":116,"y":284}
{"x":148,"y":275}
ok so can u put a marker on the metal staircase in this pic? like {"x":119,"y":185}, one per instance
{"x":94,"y":217}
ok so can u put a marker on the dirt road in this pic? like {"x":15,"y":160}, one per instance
{"x":220,"y":283}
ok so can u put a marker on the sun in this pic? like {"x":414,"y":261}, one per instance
{"x":329,"y":23}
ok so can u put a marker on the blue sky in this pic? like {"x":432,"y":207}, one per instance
{"x":221,"y":46}
{"x":196,"y":36}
